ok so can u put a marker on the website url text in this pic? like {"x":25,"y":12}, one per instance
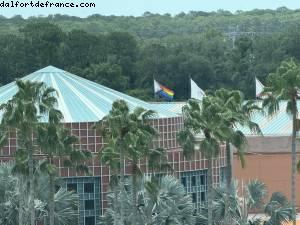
{"x":45,"y":4}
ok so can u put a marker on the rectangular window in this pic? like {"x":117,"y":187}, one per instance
{"x":89,"y":220}
{"x":183,"y":181}
{"x":203,"y":197}
{"x":72,"y":187}
{"x":89,"y":188}
{"x":223,"y":178}
{"x":202,"y":179}
{"x":89,"y":205}
{"x":194,"y":197}
{"x":193,"y":181}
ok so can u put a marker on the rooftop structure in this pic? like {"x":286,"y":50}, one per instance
{"x":83,"y":103}
{"x":79,"y":99}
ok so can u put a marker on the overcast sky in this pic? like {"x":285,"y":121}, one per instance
{"x":138,"y":7}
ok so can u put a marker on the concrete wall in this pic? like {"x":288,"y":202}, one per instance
{"x":273,"y":169}
{"x":275,"y":144}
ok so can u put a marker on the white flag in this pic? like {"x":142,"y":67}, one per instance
{"x":259,"y":87}
{"x":196,"y":92}
{"x":157,"y":87}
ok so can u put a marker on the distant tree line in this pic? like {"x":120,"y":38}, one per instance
{"x":156,"y":26}
{"x":127,"y":60}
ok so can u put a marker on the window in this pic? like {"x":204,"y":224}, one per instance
{"x":202,"y":179}
{"x":194,"y":197}
{"x":89,"y":220}
{"x":183,"y":181}
{"x":89,"y":188}
{"x":223,"y":177}
{"x":193,"y":180}
{"x":202,"y":196}
{"x":89,"y":204}
{"x":72,"y":187}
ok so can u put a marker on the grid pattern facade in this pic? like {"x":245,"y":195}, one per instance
{"x":195,"y":184}
{"x":90,"y":139}
{"x":88,"y":189}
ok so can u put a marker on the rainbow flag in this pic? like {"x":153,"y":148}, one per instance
{"x":163,"y":92}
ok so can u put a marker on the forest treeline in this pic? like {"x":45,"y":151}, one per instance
{"x":217,"y":49}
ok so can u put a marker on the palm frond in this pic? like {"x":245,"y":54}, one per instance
{"x":256,"y":192}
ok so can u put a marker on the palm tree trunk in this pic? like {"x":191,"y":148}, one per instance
{"x":31,"y":180}
{"x":294,"y":156}
{"x":114,"y":187}
{"x":51,"y":199}
{"x":134,"y":192}
{"x":209,"y":191}
{"x":228,"y":166}
{"x":21,"y":194}
{"x":228,"y":182}
{"x":115,"y":203}
{"x":122,"y":180}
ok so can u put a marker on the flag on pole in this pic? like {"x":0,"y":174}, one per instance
{"x":196,"y":91}
{"x":163,"y":92}
{"x":259,"y":87}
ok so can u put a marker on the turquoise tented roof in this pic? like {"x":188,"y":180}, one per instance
{"x":79,"y":99}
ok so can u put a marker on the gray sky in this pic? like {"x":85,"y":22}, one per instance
{"x":138,"y":7}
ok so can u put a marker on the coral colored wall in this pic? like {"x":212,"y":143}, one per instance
{"x":273,"y":169}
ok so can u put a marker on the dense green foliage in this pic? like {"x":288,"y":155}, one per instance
{"x":156,"y":26}
{"x":22,"y":113}
{"x":125,"y":53}
{"x":160,"y":202}
{"x":12,"y":198}
{"x":250,"y":198}
{"x":129,"y":136}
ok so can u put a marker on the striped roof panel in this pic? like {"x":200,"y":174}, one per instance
{"x":79,"y":99}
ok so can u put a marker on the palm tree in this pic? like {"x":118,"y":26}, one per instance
{"x":156,"y":161}
{"x":55,"y":141}
{"x":109,"y":156}
{"x":116,"y":126}
{"x":239,"y":115}
{"x":50,"y":141}
{"x":248,"y":198}
{"x":284,"y":85}
{"x":159,"y":203}
{"x":20,"y":170}
{"x":66,"y":203}
{"x":32,"y":101}
{"x":129,"y":135}
{"x":205,"y":119}
{"x":139,"y":139}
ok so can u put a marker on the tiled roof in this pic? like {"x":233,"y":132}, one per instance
{"x":79,"y":99}
{"x":279,"y":124}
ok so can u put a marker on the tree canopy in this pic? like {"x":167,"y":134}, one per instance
{"x":217,"y":49}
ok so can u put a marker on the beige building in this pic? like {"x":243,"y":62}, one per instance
{"x":269,"y":159}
